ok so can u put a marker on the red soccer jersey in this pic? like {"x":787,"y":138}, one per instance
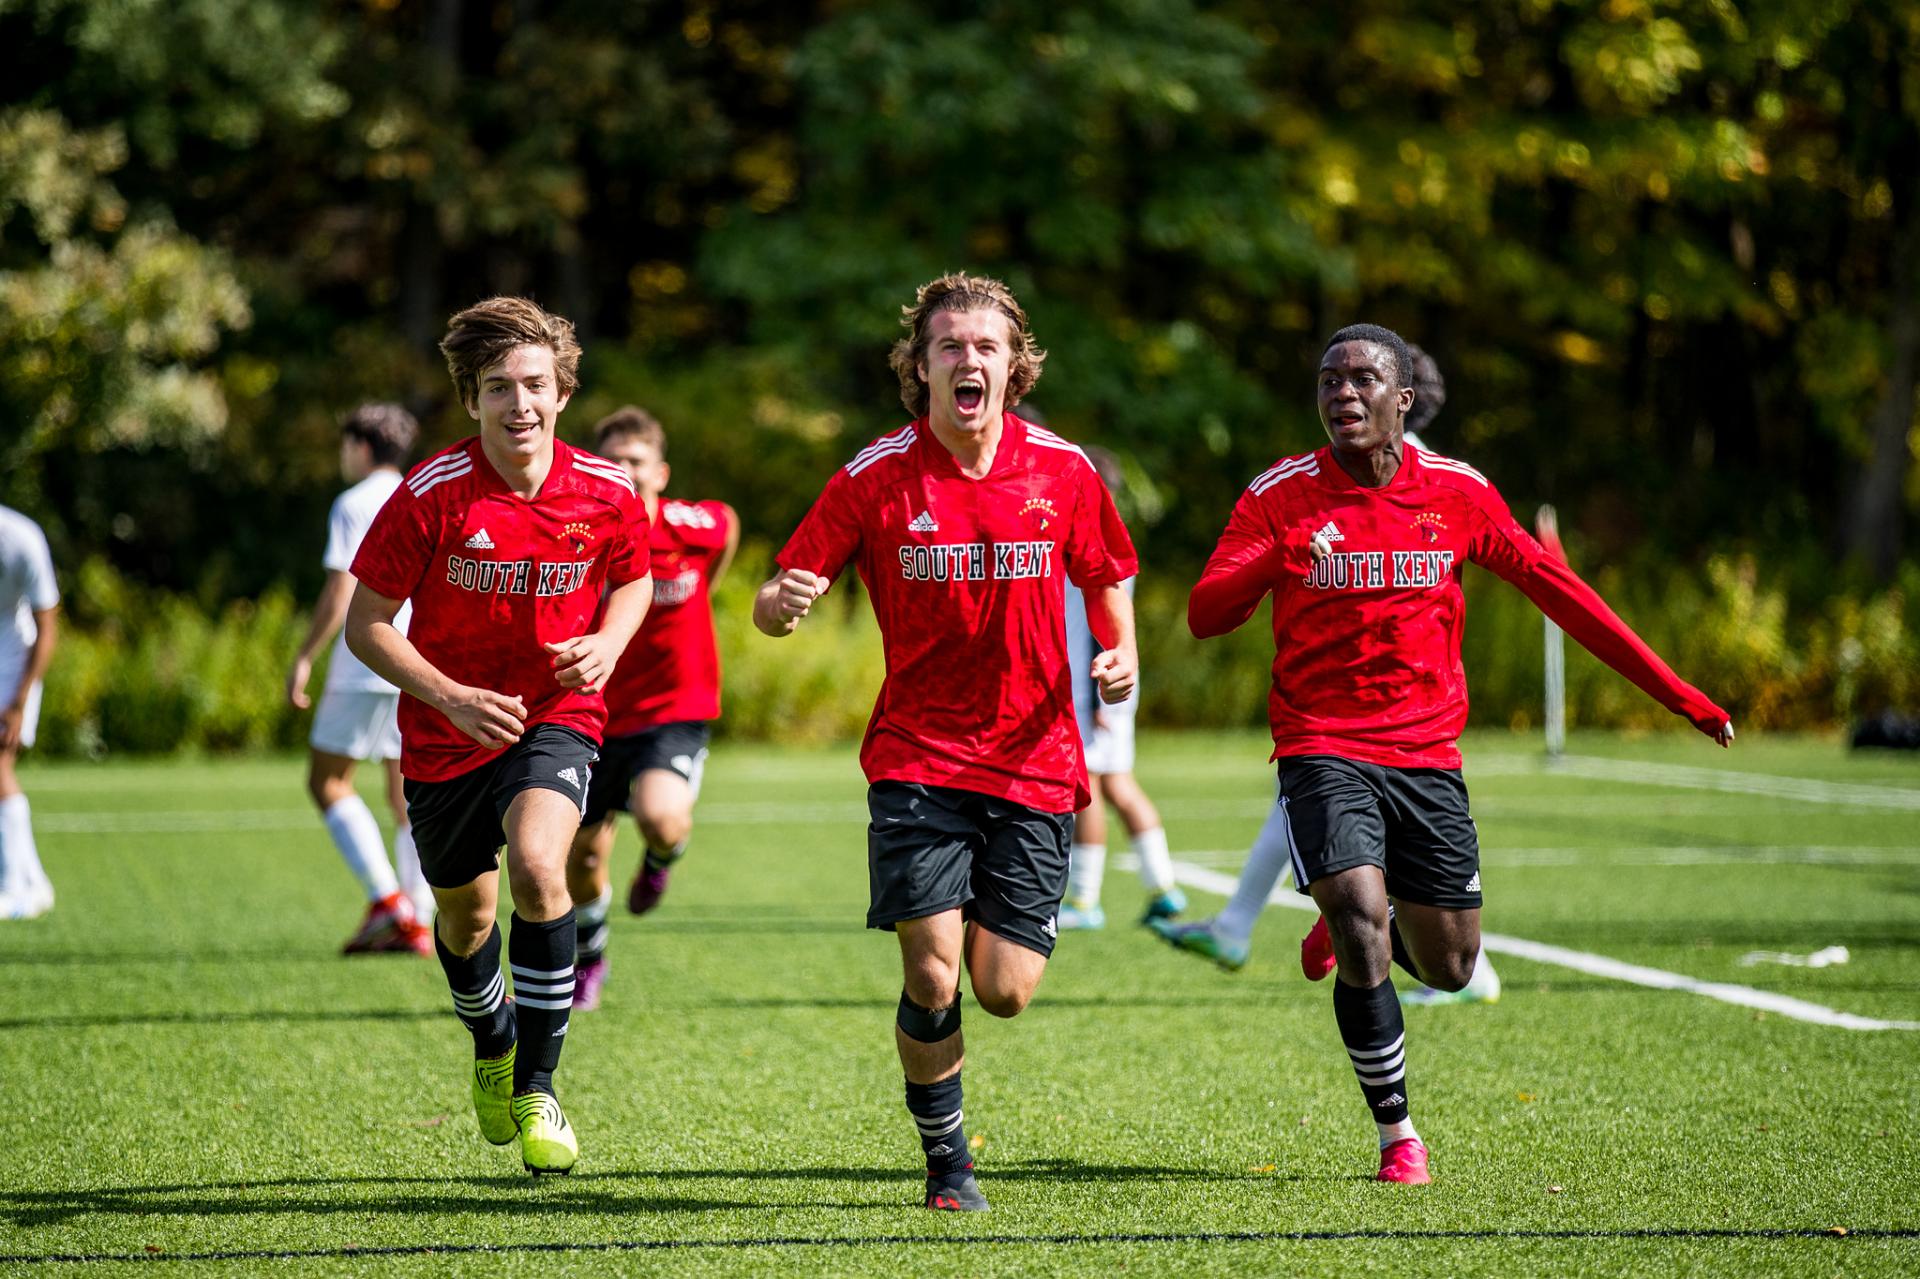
{"x":492,"y":577}
{"x":1367,"y":662}
{"x":671,"y":670}
{"x":968,"y":580}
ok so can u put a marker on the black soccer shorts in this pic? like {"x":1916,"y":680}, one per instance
{"x":935,"y":848}
{"x":679,"y":747}
{"x":459,"y":823}
{"x":1410,"y":822}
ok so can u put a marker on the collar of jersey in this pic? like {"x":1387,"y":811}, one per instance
{"x":1013,"y":435}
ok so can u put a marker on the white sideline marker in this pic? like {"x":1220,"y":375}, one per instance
{"x":1213,"y":881}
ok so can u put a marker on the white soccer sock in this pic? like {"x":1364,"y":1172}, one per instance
{"x":1484,"y":980}
{"x":1156,"y":866}
{"x":1390,"y":1133}
{"x":1086,"y":867}
{"x":1267,"y":861}
{"x":357,"y":835}
{"x":20,"y":872}
{"x":413,"y":882}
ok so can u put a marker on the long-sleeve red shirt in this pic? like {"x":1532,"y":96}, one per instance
{"x":1367,"y":643}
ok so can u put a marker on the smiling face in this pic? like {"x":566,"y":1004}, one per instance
{"x":518,"y":402}
{"x":969,"y":356}
{"x":1362,"y":403}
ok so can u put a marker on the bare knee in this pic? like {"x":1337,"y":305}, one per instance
{"x":1454,"y":970}
{"x":931,"y":981}
{"x":1000,"y":1000}
{"x":665,"y":828}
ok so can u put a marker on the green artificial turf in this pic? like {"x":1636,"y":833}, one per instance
{"x":189,"y":1068}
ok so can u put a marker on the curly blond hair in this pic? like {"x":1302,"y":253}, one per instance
{"x":487,"y":332}
{"x":958,"y":291}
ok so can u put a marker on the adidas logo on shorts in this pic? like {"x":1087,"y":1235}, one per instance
{"x":923,"y":523}
{"x":1473,"y":885}
{"x":479,"y":542}
{"x":569,"y":776}
{"x":1052,"y":927}
{"x":1331,"y":532}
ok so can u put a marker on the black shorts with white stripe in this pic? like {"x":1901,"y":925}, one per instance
{"x":459,"y":823}
{"x":1410,"y":822}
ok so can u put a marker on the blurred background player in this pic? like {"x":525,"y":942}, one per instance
{"x":29,"y":604}
{"x":659,"y":701}
{"x":1227,"y":938}
{"x":358,"y":716}
{"x":964,"y":525}
{"x":507,"y":544}
{"x":1368,"y":697}
{"x":1106,"y":735}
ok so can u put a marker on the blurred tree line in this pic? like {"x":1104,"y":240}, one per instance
{"x":1667,"y":252}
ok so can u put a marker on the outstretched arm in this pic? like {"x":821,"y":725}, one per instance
{"x":1579,"y":611}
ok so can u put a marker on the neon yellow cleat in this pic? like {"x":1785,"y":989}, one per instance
{"x":493,"y":1098}
{"x":547,"y":1143}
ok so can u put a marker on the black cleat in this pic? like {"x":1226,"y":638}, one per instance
{"x":956,"y":1192}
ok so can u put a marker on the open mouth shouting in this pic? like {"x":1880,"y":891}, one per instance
{"x":969,"y":393}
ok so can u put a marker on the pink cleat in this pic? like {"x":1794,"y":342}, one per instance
{"x":388,"y":927}
{"x":1404,"y":1162}
{"x":649,"y":886}
{"x":587,"y":981}
{"x":1316,"y":951}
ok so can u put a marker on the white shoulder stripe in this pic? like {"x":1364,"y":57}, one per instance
{"x":875,"y":454}
{"x":1304,"y":465}
{"x":605,"y":470}
{"x":440,"y":476}
{"x":433,"y":468}
{"x":1457,"y":468}
{"x":886,"y":442}
{"x":1048,"y":440}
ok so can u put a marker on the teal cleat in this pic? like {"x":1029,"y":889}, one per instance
{"x":1081,"y":917}
{"x":1483,"y":989}
{"x":1164,"y":905}
{"x":1201,"y":939}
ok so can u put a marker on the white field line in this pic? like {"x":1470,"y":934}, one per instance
{"x":1213,"y":881}
{"x":1687,"y":777}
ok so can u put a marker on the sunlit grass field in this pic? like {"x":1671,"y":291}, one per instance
{"x":195,"y":1081}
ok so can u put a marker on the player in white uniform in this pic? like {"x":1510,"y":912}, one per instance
{"x":29,"y":600}
{"x":358,"y":714}
{"x":1106,"y":735}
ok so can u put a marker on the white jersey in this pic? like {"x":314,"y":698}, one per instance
{"x":1082,"y":648}
{"x":348,"y":522}
{"x":26,"y":585}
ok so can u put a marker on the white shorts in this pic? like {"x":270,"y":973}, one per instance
{"x":1110,"y":748}
{"x":357,"y":725}
{"x":31,"y":719}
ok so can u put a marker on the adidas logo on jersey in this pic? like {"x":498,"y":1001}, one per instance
{"x":480,"y":542}
{"x":1473,"y":885}
{"x":569,"y":776}
{"x":1331,"y":532}
{"x":923,"y":523}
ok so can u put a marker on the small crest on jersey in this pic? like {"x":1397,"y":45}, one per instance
{"x":578,"y":535}
{"x":923,"y":523}
{"x":1429,"y":525}
{"x":1042,"y":512}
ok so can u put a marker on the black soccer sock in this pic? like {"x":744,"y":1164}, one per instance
{"x":479,"y":994}
{"x":937,"y":1114}
{"x":592,"y":929}
{"x":1375,"y":1036}
{"x":662,"y":858}
{"x":541,"y":959}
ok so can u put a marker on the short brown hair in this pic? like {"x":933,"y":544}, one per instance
{"x":630,"y":421}
{"x":958,"y":291}
{"x":387,"y":430}
{"x":487,"y":332}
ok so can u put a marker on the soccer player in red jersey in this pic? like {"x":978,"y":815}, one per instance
{"x":503,"y":543}
{"x":965,"y":526}
{"x":1362,"y":544}
{"x":661,"y":696}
